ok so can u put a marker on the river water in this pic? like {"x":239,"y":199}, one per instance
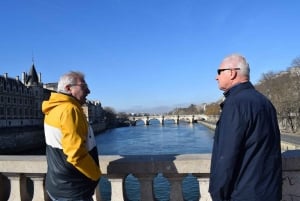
{"x":155,"y":139}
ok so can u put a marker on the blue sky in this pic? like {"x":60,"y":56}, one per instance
{"x":142,"y":54}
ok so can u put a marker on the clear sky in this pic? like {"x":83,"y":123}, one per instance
{"x":143,"y":54}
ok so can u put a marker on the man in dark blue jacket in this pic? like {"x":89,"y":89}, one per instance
{"x":246,"y":157}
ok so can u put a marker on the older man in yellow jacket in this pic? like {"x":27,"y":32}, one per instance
{"x":73,"y":167}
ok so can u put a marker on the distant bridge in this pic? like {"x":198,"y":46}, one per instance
{"x":162,"y":118}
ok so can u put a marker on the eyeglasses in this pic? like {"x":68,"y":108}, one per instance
{"x":83,"y":85}
{"x":223,"y":69}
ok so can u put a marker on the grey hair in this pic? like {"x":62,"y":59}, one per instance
{"x":241,"y":63}
{"x":68,"y":79}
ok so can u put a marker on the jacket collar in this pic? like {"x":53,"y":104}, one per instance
{"x":239,"y":87}
{"x":235,"y":89}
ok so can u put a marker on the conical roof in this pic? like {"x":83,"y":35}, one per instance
{"x":32,"y":78}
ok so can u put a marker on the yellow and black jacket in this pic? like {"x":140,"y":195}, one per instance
{"x":72,"y":157}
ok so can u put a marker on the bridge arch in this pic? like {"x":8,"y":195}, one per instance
{"x":162,"y":118}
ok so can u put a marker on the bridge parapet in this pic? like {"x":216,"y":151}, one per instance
{"x":17,"y":170}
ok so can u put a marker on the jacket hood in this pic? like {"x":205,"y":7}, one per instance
{"x":57,"y":99}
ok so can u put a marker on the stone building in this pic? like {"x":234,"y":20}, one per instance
{"x":21,"y":101}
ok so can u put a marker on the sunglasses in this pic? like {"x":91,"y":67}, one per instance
{"x":223,"y":69}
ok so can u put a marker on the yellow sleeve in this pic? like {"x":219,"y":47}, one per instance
{"x":74,"y":133}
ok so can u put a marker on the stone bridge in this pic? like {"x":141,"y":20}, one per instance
{"x":162,"y":118}
{"x":22,"y":177}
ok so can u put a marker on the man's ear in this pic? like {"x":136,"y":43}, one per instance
{"x":68,"y":88}
{"x":233,"y":74}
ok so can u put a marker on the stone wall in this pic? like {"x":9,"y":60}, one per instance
{"x":17,"y":169}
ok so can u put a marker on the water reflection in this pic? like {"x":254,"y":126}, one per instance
{"x":156,"y":139}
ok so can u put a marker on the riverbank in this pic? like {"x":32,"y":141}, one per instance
{"x":289,"y":141}
{"x":21,"y":139}
{"x":207,"y":124}
{"x":30,"y":139}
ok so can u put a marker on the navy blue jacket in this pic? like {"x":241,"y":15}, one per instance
{"x":246,"y":157}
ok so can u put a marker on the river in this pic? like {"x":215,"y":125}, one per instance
{"x":155,"y":139}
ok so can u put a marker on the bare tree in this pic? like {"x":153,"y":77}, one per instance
{"x":283,"y":89}
{"x":296,"y":62}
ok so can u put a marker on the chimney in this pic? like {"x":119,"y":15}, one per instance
{"x":23,"y":77}
{"x":5,"y":75}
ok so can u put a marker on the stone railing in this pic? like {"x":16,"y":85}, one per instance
{"x":22,"y":177}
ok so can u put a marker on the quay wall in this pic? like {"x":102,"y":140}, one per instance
{"x":13,"y":141}
{"x":210,"y":125}
{"x":25,"y":139}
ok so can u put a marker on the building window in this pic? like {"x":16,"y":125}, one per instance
{"x":1,"y":111}
{"x":8,"y":112}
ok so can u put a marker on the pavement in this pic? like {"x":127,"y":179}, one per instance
{"x":291,"y":138}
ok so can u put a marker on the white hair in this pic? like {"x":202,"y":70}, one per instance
{"x":241,"y":63}
{"x":68,"y":79}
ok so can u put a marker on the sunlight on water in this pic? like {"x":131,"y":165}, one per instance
{"x":155,"y":139}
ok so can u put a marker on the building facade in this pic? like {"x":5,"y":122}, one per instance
{"x":21,"y":101}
